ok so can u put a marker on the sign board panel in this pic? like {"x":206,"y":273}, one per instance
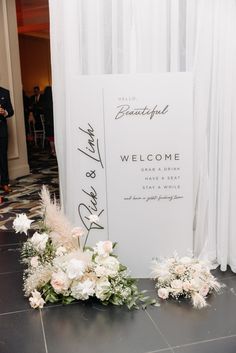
{"x":129,"y":160}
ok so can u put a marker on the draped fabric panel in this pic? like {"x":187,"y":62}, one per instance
{"x":151,"y":36}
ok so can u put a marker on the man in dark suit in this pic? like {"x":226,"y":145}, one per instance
{"x":6,"y":111}
{"x":36,"y":106}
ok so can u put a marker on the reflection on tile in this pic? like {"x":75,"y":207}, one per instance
{"x":10,"y":258}
{"x":100,"y":329}
{"x":21,"y":333}
{"x":146,"y":284}
{"x":181,"y":324}
{"x":10,"y":237}
{"x":227,"y":345}
{"x":11,"y":293}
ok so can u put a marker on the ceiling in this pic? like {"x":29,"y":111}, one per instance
{"x":33,"y":17}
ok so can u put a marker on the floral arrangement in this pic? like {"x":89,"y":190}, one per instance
{"x":184,"y":277}
{"x":60,"y":269}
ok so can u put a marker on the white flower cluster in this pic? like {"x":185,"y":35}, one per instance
{"x":36,"y":301}
{"x":21,"y":223}
{"x":55,"y":272}
{"x":184,"y":277}
{"x":77,"y":274}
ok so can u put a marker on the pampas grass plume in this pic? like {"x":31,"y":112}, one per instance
{"x":55,"y":220}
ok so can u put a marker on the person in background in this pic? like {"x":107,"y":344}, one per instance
{"x":6,"y":111}
{"x":48,"y":118}
{"x":26,"y":105}
{"x":36,"y":106}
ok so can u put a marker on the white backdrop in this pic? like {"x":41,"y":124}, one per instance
{"x":145,"y":36}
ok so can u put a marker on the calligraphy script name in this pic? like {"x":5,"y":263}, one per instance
{"x":86,"y":210}
{"x":92,"y":149}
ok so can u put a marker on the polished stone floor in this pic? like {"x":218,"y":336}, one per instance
{"x":24,"y":197}
{"x":82,"y":328}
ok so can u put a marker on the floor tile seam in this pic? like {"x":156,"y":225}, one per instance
{"x":204,"y":341}
{"x":192,"y":344}
{"x":16,"y":312}
{"x":11,"y":272}
{"x":54,"y":306}
{"x":10,"y":244}
{"x":160,"y":350}
{"x":43,"y":331}
{"x":160,"y":332}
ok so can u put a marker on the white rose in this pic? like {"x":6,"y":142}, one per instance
{"x":196,"y":284}
{"x":60,"y":251}
{"x":179,"y":270}
{"x":75,"y":269}
{"x":77,"y":232}
{"x":39,"y":241}
{"x":83,"y":290}
{"x":60,"y":282}
{"x":102,"y":289}
{"x":163,"y":293}
{"x":21,"y":223}
{"x":36,"y":301}
{"x":177,"y":285}
{"x":103,"y":248}
{"x":110,"y":263}
{"x":165,"y":278}
{"x":100,"y":271}
{"x":93,"y":218}
{"x":160,"y":270}
{"x":34,"y":261}
{"x":187,"y":286}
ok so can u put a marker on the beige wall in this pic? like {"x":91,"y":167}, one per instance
{"x":35,"y":62}
{"x":10,"y":78}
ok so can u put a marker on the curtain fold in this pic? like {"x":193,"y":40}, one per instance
{"x":147,"y":36}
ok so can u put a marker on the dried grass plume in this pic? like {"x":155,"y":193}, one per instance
{"x":55,"y":220}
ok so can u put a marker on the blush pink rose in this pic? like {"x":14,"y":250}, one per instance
{"x":163,"y":293}
{"x":60,"y":282}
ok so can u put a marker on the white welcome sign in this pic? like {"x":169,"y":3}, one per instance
{"x":129,"y":148}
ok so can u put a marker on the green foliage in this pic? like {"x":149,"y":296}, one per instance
{"x":27,"y":252}
{"x":49,"y":253}
{"x":43,"y":227}
{"x":122,"y":268}
{"x":67,"y":300}
{"x":125,"y":292}
{"x":49,"y":294}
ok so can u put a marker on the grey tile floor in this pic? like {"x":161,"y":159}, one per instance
{"x":174,"y":327}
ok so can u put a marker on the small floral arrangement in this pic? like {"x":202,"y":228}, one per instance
{"x":185,"y":277}
{"x":60,"y":269}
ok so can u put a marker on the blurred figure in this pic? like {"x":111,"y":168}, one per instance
{"x":26,"y":105}
{"x":6,"y":111}
{"x":48,"y":118}
{"x":36,"y":106}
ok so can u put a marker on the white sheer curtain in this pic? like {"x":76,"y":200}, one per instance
{"x":145,"y":36}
